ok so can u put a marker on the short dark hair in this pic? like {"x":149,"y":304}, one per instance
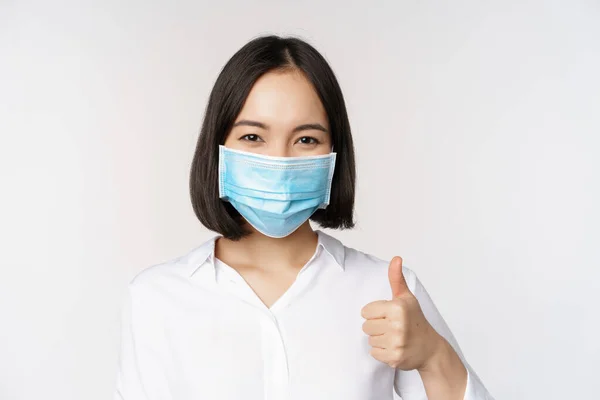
{"x":257,"y":57}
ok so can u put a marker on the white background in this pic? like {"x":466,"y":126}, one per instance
{"x":477,"y":135}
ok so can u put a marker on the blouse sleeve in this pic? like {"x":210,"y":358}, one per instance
{"x":408,"y":384}
{"x":128,"y":383}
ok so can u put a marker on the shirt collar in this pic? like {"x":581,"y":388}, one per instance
{"x":205,"y":252}
{"x":198,"y":256}
{"x":334,"y":247}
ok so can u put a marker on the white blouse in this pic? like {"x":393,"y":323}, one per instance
{"x":193,"y":329}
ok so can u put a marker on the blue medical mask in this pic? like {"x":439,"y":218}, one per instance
{"x":275,"y":194}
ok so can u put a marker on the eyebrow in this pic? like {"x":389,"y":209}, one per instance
{"x":250,"y":123}
{"x":299,"y":128}
{"x":308,"y":127}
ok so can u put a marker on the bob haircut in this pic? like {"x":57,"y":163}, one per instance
{"x":257,"y":57}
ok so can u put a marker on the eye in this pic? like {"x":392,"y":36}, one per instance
{"x":308,"y":140}
{"x":251,"y":138}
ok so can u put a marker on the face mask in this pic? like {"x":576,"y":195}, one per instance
{"x":275,"y":194}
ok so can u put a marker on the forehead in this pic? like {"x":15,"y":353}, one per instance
{"x":283,"y":97}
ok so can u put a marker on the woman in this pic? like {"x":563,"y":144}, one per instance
{"x":269,"y":308}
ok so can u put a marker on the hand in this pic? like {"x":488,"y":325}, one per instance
{"x":399,"y":333}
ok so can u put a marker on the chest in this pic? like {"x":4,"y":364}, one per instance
{"x":309,"y":348}
{"x":268,"y":288}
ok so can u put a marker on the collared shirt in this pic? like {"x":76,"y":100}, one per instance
{"x":193,"y":329}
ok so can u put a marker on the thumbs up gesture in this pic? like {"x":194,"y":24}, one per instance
{"x":399,"y":333}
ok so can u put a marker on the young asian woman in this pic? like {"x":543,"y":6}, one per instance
{"x":270,"y":308}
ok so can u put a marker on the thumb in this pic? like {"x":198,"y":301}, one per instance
{"x":397,"y":281}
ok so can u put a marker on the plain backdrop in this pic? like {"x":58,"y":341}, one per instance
{"x":476,"y":126}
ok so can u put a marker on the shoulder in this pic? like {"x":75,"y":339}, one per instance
{"x":168,"y":276}
{"x":146,"y":289}
{"x":370,"y":266}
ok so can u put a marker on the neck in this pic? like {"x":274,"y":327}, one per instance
{"x":262,"y":252}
